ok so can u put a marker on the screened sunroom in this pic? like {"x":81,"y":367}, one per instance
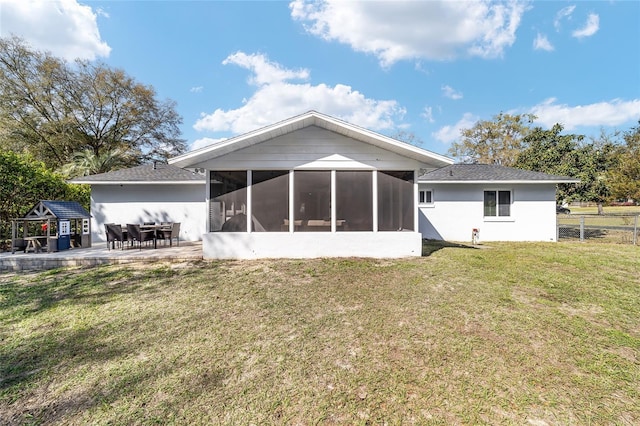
{"x":311,"y":201}
{"x":311,"y":186}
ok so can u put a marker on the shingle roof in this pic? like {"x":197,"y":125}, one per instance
{"x":147,"y":173}
{"x":66,"y":209}
{"x":489,"y":173}
{"x":57,"y":209}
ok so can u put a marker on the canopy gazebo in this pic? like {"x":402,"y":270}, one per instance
{"x":62,"y":224}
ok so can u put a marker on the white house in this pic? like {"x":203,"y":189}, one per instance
{"x":148,"y":193}
{"x":314,"y":186}
{"x":500,"y":203}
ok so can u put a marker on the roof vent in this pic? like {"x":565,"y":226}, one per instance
{"x":155,"y":165}
{"x":450,"y":172}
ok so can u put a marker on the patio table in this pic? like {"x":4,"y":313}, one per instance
{"x":155,"y":229}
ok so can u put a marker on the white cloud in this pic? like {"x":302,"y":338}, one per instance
{"x":427,"y":114}
{"x":451,"y":93}
{"x":542,"y":43}
{"x":396,"y":31}
{"x":590,"y":27}
{"x":449,"y":134}
{"x":63,"y":27}
{"x":611,"y":113}
{"x":196,"y":89}
{"x":264,"y":71}
{"x":563,"y":13}
{"x":276,"y":98}
{"x":202,"y":142}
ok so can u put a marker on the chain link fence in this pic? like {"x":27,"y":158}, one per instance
{"x":619,"y":228}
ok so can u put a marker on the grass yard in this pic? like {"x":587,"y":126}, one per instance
{"x":510,"y":334}
{"x":621,"y":210}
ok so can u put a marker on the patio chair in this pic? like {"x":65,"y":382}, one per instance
{"x":138,"y":235}
{"x":170,"y":233}
{"x":114,"y":233}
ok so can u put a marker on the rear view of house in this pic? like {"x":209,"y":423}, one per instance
{"x":315,"y":186}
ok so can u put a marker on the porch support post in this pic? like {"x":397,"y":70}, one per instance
{"x":291,"y":202}
{"x":14,"y":231}
{"x":374,"y":183}
{"x":415,"y":201}
{"x":333,"y":201}
{"x":49,"y":234}
{"x":207,"y":201}
{"x":249,"y":206}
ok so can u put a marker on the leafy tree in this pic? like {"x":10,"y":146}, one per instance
{"x":25,"y":181}
{"x":551,"y":152}
{"x":88,"y":163}
{"x":624,"y":179}
{"x":54,"y":109}
{"x":493,"y":142}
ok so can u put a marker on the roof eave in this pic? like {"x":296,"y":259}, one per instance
{"x":140,"y":182}
{"x":201,"y":155}
{"x":512,"y":182}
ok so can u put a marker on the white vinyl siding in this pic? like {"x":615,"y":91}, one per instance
{"x":311,"y":148}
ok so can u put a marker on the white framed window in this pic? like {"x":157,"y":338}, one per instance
{"x":425,"y":197}
{"x":497,"y":203}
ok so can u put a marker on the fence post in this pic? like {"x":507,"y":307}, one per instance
{"x":635,"y":230}
{"x":581,"y":228}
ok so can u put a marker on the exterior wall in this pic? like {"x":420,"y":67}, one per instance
{"x":458,"y":209}
{"x":312,"y":148}
{"x":184,"y":203}
{"x":255,"y":245}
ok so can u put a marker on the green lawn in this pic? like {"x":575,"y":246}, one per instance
{"x":509,"y":334}
{"x":621,"y":210}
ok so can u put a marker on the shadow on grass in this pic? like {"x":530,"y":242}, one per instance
{"x":431,"y":246}
{"x":71,"y":340}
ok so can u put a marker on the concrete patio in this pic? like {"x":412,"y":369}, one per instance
{"x":99,"y":255}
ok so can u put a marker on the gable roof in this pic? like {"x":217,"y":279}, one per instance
{"x":158,"y":173}
{"x":57,"y":210}
{"x":311,"y":118}
{"x":489,"y":173}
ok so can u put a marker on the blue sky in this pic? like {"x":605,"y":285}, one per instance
{"x":426,"y":68}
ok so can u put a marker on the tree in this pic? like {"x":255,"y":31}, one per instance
{"x":407,"y":137}
{"x":493,"y":142}
{"x":551,"y":152}
{"x":88,"y":163}
{"x":55,"y":109}
{"x":25,"y":181}
{"x":624,"y":179}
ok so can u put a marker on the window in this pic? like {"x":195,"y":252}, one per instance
{"x":395,"y":201}
{"x":302,"y":200}
{"x":497,"y":203}
{"x":270,"y":200}
{"x":312,"y":200}
{"x":354,"y":201}
{"x":425,"y":196}
{"x":228,"y":200}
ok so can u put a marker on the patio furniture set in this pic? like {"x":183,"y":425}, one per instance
{"x":148,"y":232}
